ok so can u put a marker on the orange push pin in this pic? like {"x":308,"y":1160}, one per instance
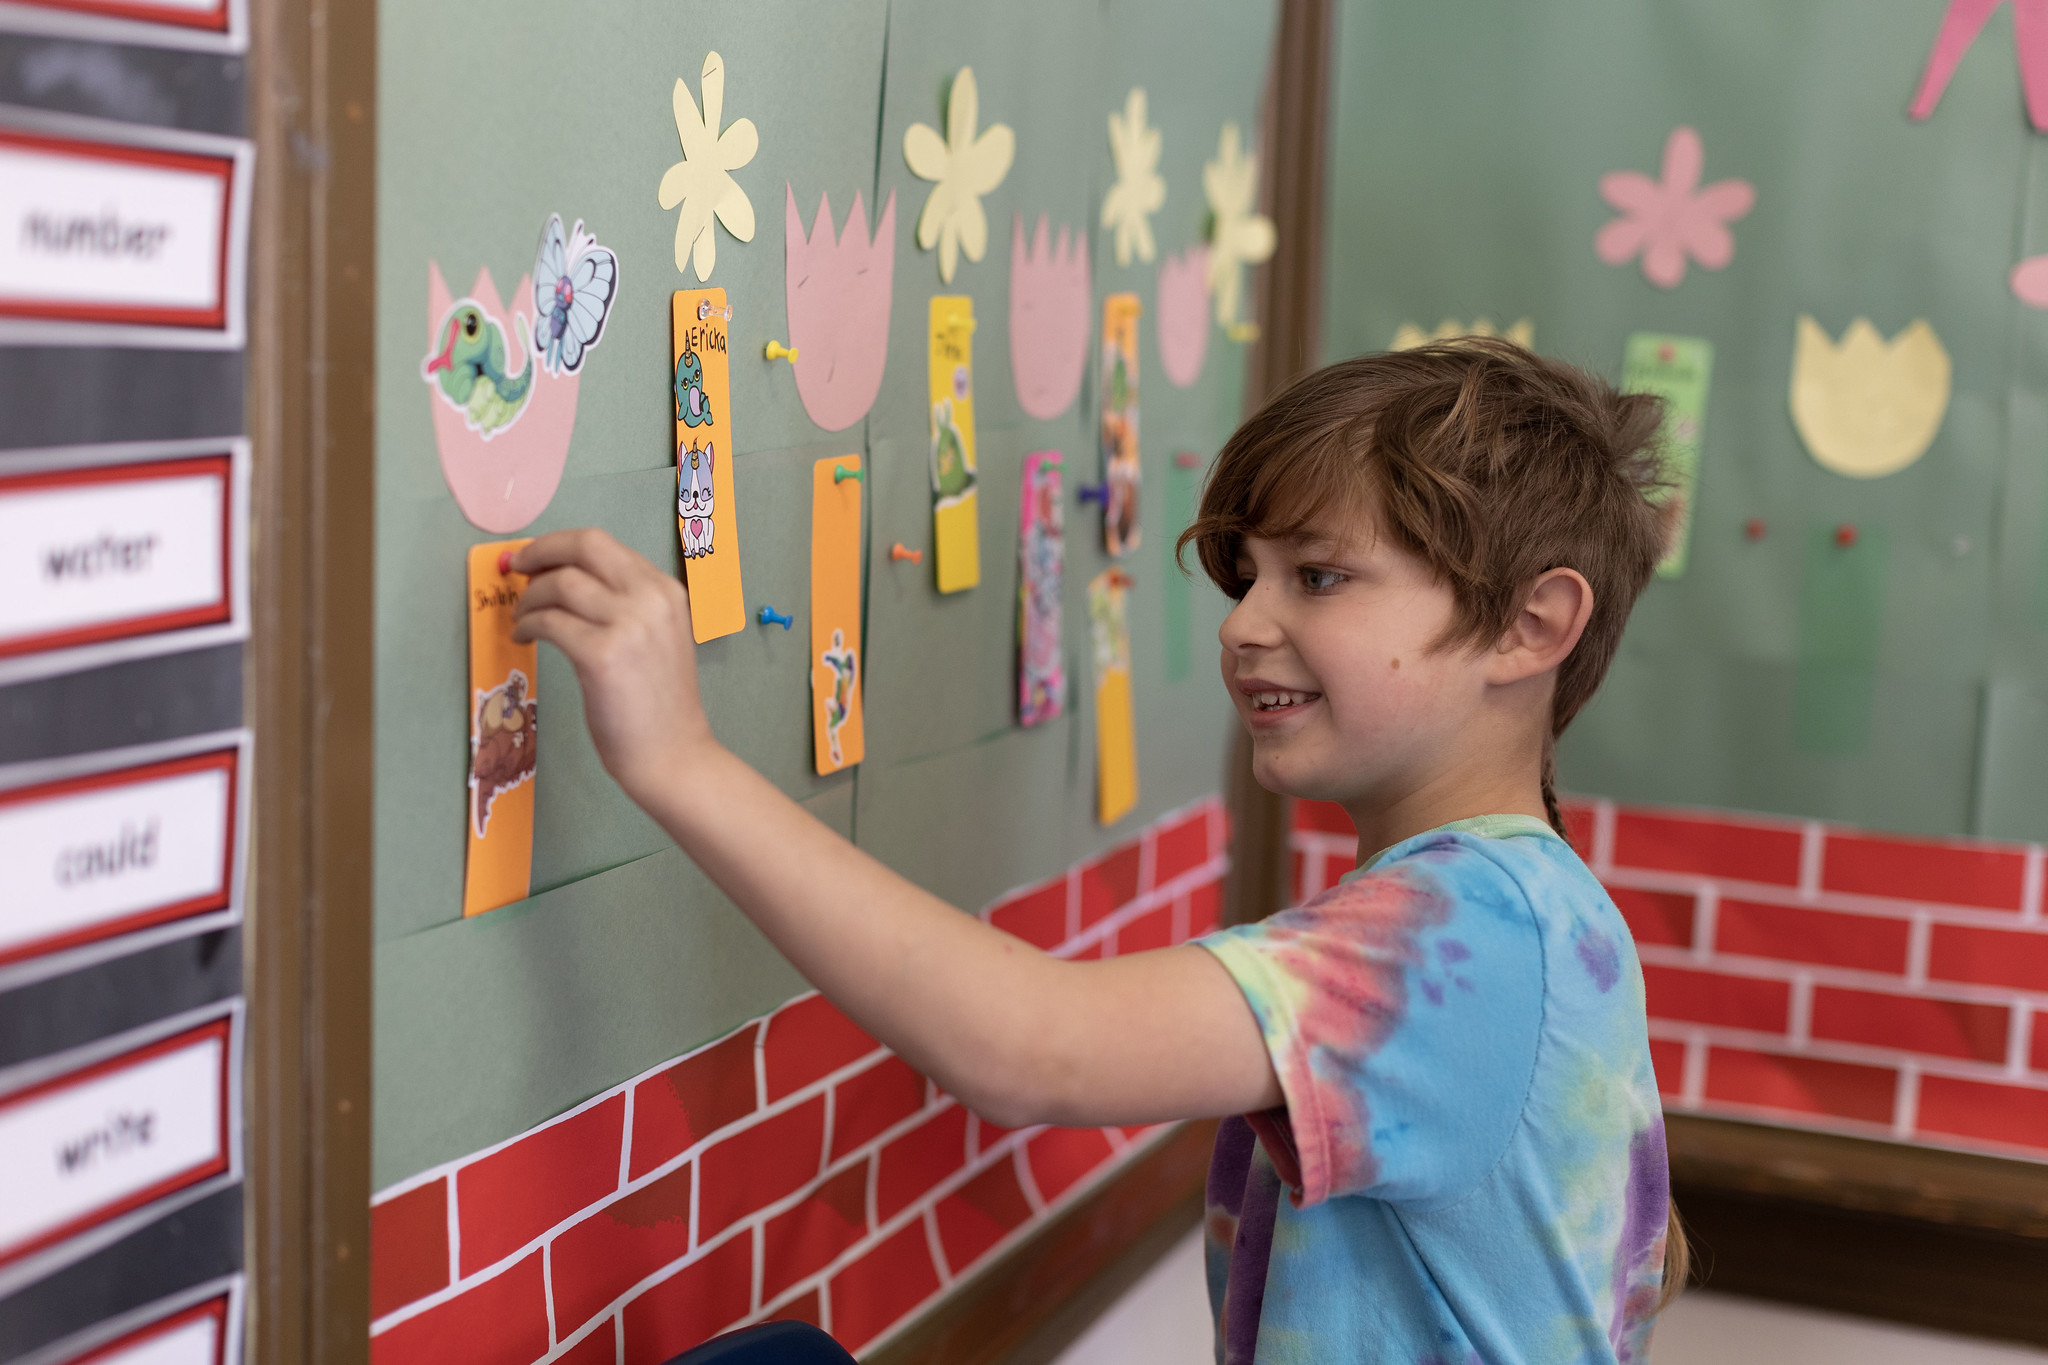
{"x":1845,"y":535}
{"x":899,"y":551}
{"x":1754,"y":528}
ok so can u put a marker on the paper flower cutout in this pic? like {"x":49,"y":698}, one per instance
{"x":504,"y":479}
{"x":837,"y":293}
{"x":1409,"y":336}
{"x":2029,"y":281}
{"x":1049,"y":304}
{"x":1959,"y":28}
{"x":1868,"y":407}
{"x":964,"y":168}
{"x":1184,"y":316}
{"x":1239,"y":235}
{"x":1666,"y":221}
{"x":1139,"y":189}
{"x":702,"y":181}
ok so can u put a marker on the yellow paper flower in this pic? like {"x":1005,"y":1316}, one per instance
{"x":1139,"y":189}
{"x":1239,"y":235}
{"x":1868,"y":407}
{"x":1409,"y":336}
{"x":964,"y":167}
{"x":702,"y":181}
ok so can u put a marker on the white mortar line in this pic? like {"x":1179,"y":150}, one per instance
{"x":933,"y":1245}
{"x":1603,"y":837}
{"x":1148,"y":857}
{"x":1812,"y":849}
{"x":1032,"y":1198}
{"x":1843,"y":902}
{"x":1706,"y":921}
{"x":547,"y":1291}
{"x":1919,"y":943}
{"x":1845,"y":978}
{"x":626,"y":1142}
{"x":454,"y":1235}
{"x":2017,"y":1039}
{"x":1693,"y":1083}
{"x":1906,"y":1102}
{"x":2030,"y":886}
{"x":1990,"y":1073}
{"x":1799,"y":1024}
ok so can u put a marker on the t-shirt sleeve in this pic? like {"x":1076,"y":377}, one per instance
{"x":1401,"y":1010}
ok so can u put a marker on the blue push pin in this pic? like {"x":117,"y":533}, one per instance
{"x":1093,"y":492}
{"x":771,"y":617}
{"x":841,"y":473}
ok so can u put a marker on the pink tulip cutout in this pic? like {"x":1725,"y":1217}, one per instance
{"x":1666,"y":221}
{"x":837,"y":293}
{"x":502,"y":481}
{"x":1049,"y":305}
{"x":1184,"y":315}
{"x":1960,"y":26}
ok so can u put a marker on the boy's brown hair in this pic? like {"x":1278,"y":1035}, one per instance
{"x":1489,"y":463}
{"x":1486,"y":461}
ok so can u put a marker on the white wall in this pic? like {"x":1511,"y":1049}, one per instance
{"x":1164,"y":1320}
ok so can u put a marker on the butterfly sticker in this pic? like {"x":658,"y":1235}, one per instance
{"x":574,"y":281}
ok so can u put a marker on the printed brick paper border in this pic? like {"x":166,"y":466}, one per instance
{"x":1816,"y":976}
{"x":791,"y":1169}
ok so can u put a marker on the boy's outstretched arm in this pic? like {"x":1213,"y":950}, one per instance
{"x":1017,"y":1035}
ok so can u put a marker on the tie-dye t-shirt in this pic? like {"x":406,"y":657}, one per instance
{"x":1469,"y":1168}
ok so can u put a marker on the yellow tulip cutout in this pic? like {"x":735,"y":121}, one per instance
{"x":1868,"y":407}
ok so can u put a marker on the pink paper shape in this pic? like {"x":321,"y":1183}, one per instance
{"x":1670,"y":219}
{"x":2029,"y":280}
{"x":1959,"y":28}
{"x":502,"y":482}
{"x":837,"y":293}
{"x":1184,"y":316}
{"x":1048,"y":318}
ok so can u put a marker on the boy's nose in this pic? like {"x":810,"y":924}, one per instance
{"x":1249,"y":625}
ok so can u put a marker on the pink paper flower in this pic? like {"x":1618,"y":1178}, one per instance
{"x":2029,"y":281}
{"x":1669,"y":220}
{"x":1049,"y":303}
{"x":837,"y":293}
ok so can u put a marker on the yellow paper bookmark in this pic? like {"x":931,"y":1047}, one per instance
{"x":503,"y":737}
{"x":956,"y":531}
{"x":1116,"y":739}
{"x":835,"y":612}
{"x":707,"y":518}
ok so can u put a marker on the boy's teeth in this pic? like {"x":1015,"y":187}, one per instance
{"x":1268,"y":701}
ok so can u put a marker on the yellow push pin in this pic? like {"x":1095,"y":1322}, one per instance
{"x":778,"y":351}
{"x":1241,"y":332}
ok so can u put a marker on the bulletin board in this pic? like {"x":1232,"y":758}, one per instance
{"x":1863,"y":649}
{"x":493,"y":118}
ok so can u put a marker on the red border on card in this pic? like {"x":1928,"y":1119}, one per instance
{"x":228,"y":760}
{"x":219,"y":1028}
{"x":214,"y":20}
{"x":212,"y":613}
{"x":212,"y":319}
{"x":215,"y":1308}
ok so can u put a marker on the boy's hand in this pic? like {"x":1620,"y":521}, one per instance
{"x":625,"y":626}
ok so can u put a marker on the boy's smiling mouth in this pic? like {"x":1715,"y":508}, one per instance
{"x":1268,"y":700}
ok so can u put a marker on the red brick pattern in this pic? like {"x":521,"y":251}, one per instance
{"x":1802,"y":973}
{"x":792,"y":1169}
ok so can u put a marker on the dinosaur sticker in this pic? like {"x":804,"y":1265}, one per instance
{"x":504,"y":735}
{"x":693,"y":409}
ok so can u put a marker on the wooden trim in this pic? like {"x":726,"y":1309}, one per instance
{"x":311,"y":386}
{"x":1028,"y":1305}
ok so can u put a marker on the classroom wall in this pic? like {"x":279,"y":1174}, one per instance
{"x":624,"y":959}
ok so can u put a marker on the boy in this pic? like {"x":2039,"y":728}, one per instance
{"x":1451,"y":1148}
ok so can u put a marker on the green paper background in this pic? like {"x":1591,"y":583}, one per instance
{"x":493,"y":116}
{"x":1467,"y":148}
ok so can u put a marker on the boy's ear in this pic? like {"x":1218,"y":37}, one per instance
{"x":1543,"y":633}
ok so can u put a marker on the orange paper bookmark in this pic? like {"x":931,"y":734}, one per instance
{"x":956,"y":525}
{"x":503,"y":737}
{"x":707,"y":519}
{"x":835,"y":612}
{"x":1116,"y":740}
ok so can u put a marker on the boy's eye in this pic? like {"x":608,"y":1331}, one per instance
{"x":1319,"y":580}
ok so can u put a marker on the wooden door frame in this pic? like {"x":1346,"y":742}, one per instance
{"x":312,"y":87}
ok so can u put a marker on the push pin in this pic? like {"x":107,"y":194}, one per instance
{"x":504,"y":562}
{"x":1845,"y":534}
{"x":1242,"y":332}
{"x":777,"y":351}
{"x":1119,"y":579}
{"x":1093,"y":492}
{"x":899,"y":551}
{"x":771,"y":617}
{"x":1754,"y":528}
{"x":705,"y":310}
{"x":1187,"y":459}
{"x":842,"y":472}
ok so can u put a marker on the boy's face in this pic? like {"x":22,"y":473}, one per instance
{"x":1332,"y":658}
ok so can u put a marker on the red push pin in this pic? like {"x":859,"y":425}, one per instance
{"x":1754,"y":528}
{"x":899,"y":551}
{"x":504,"y":561}
{"x":1845,"y":535}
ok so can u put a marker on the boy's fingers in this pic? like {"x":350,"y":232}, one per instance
{"x":565,"y":630}
{"x":586,"y":547}
{"x":572,"y":588}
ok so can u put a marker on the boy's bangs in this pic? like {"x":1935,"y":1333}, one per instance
{"x":1290,"y":494}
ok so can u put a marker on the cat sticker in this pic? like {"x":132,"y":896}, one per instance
{"x":696,"y":498}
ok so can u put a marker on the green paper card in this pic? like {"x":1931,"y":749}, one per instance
{"x":1677,"y":370}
